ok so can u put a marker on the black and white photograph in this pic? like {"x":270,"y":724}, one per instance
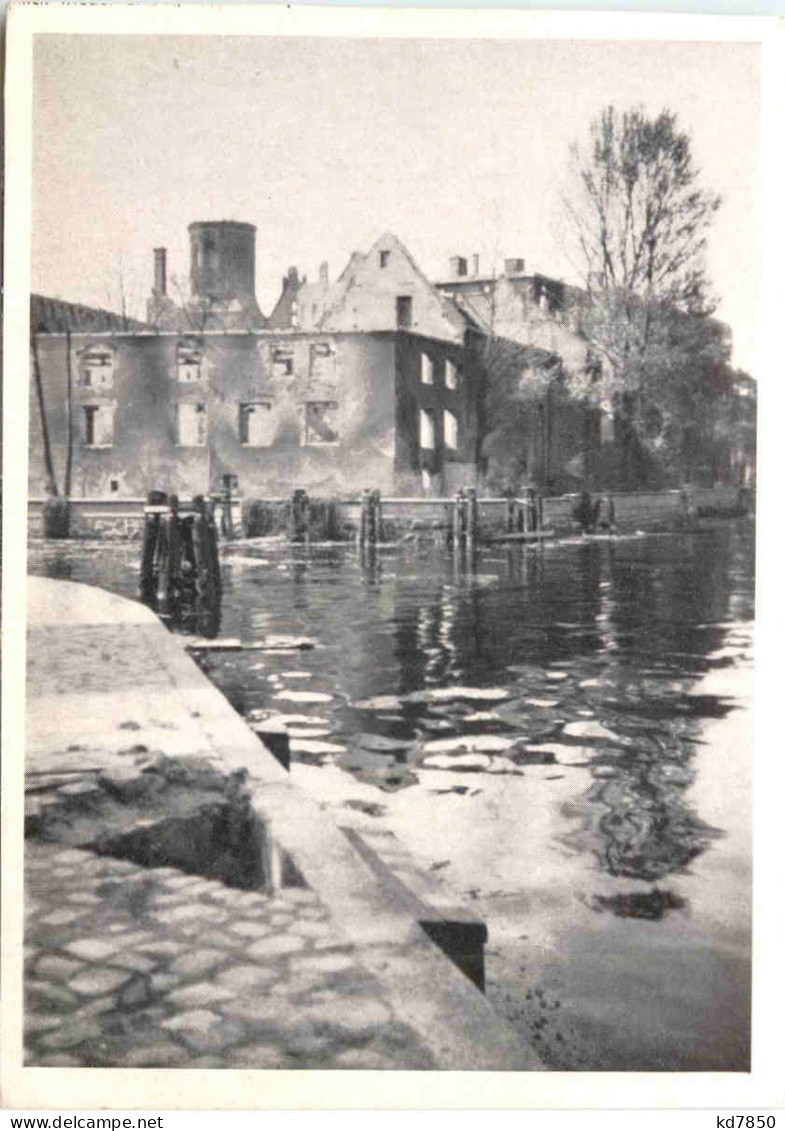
{"x":390,"y":409}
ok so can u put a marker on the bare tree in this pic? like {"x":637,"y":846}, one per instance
{"x":636,"y":221}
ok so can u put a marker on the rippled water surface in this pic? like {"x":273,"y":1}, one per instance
{"x":562,"y":734}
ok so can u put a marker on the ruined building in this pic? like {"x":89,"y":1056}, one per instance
{"x":383,"y":394}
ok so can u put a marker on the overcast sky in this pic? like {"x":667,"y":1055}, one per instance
{"x":456,"y":146}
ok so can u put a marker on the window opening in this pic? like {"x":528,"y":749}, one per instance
{"x":403,"y":311}
{"x":321,"y":425}
{"x":427,"y":429}
{"x":450,"y":430}
{"x":191,"y":425}
{"x":255,"y":424}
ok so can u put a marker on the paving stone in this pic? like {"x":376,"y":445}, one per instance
{"x":197,"y":962}
{"x":366,"y":1059}
{"x":136,"y":938}
{"x":324,"y":963}
{"x":51,"y":994}
{"x":72,"y":1033}
{"x":99,"y":980}
{"x":201,"y":994}
{"x":136,"y":962}
{"x":57,"y":968}
{"x":311,"y":930}
{"x":155,"y":1056}
{"x":72,"y":856}
{"x":215,"y":1039}
{"x":98,"y":1006}
{"x":162,"y":983}
{"x":280,"y":919}
{"x":172,"y":899}
{"x":257,"y":1055}
{"x":243,"y":977}
{"x":60,"y":918}
{"x":275,"y":946}
{"x":38,"y":1022}
{"x":348,"y":1014}
{"x":83,"y":897}
{"x":197,"y":1020}
{"x":183,"y":914}
{"x":312,"y":913}
{"x":138,"y":992}
{"x":298,"y":895}
{"x":58,"y":1060}
{"x":93,"y":949}
{"x":165,"y":947}
{"x":308,"y":1047}
{"x":250,"y":930}
{"x":182,"y":881}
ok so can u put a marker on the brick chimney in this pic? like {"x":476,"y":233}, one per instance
{"x":159,"y":270}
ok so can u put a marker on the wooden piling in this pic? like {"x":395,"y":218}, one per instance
{"x":472,"y":518}
{"x":152,"y":523}
{"x":377,"y":532}
{"x":510,"y":516}
{"x":299,"y":519}
{"x":458,"y":521}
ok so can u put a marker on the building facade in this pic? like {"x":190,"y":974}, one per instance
{"x":332,"y":413}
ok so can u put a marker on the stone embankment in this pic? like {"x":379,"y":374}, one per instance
{"x":187,"y":905}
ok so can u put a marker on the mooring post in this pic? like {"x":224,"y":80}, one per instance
{"x":168,"y":557}
{"x":525,"y":514}
{"x":365,"y":515}
{"x":378,"y":523}
{"x":299,"y":517}
{"x":472,"y":517}
{"x":510,"y":516}
{"x":374,"y":517}
{"x":152,"y":523}
{"x":205,"y":550}
{"x":458,"y":523}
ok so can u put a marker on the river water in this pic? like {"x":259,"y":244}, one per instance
{"x":562,"y":735}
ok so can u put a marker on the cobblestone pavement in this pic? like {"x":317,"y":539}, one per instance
{"x":134,"y":967}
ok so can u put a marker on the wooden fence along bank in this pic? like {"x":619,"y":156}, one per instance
{"x":371,"y":519}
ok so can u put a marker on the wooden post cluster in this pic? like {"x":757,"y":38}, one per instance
{"x":524,"y":516}
{"x":180,"y":563}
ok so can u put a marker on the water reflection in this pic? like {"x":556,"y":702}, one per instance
{"x":592,"y":650}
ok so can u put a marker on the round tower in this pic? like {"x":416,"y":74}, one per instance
{"x":223,"y":260}
{"x":223,"y":269}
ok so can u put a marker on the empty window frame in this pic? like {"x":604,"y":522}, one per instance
{"x":96,"y":367}
{"x":189,"y":362}
{"x":321,"y":424}
{"x":450,"y":430}
{"x":427,"y":429}
{"x":191,"y":425}
{"x":426,"y":369}
{"x":283,"y":361}
{"x":384,"y":258}
{"x":256,"y":424}
{"x":450,"y":374}
{"x":322,"y":359}
{"x":403,"y":312}
{"x":98,"y":425}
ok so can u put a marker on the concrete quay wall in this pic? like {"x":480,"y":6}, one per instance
{"x":98,"y":664}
